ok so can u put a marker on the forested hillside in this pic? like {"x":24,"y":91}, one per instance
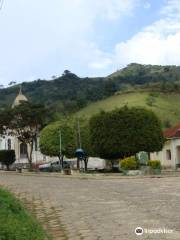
{"x":140,"y":74}
{"x":70,"y":93}
{"x":64,"y":94}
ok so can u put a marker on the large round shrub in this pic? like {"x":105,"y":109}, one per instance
{"x":125,"y":132}
{"x":129,"y":163}
{"x":50,"y":139}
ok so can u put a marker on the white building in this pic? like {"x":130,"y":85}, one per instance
{"x":21,"y":149}
{"x":170,"y":154}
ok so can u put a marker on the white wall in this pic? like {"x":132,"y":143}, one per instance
{"x":171,"y":145}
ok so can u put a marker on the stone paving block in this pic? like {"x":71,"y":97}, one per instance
{"x":100,"y":209}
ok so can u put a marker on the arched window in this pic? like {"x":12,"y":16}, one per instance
{"x":9,"y":144}
{"x":0,"y":144}
{"x":23,"y":150}
{"x":36,"y":144}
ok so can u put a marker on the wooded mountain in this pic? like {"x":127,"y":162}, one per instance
{"x":70,"y":93}
{"x":64,"y":94}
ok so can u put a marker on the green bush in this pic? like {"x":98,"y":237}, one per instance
{"x":129,"y":163}
{"x":154,"y":164}
{"x":7,"y":157}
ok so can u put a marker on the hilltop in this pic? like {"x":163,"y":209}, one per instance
{"x":69,"y":93}
{"x":140,"y":74}
{"x":64,"y":94}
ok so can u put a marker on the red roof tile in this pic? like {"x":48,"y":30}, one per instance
{"x":173,"y":132}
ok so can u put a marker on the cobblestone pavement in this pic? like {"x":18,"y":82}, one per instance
{"x":76,"y":209}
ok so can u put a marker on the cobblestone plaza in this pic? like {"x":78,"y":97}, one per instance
{"x":92,"y":209}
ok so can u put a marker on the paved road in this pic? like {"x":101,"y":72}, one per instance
{"x":101,"y":209}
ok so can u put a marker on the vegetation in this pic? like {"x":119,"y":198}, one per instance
{"x":24,"y":122}
{"x":129,"y":163}
{"x":141,"y":74}
{"x":166,"y":106}
{"x":50,"y":137}
{"x":70,"y":93}
{"x":61,"y":95}
{"x":154,"y":164}
{"x":7,"y":157}
{"x":125,"y":132}
{"x":15,"y":222}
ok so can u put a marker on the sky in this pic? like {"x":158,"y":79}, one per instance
{"x":40,"y":39}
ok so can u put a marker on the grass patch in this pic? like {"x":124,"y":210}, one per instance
{"x":166,"y":106}
{"x":15,"y":222}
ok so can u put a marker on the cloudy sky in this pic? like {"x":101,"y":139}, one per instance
{"x":42,"y":38}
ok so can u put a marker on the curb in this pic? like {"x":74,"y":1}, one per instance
{"x":85,"y":177}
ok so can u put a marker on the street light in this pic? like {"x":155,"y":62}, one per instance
{"x":60,"y":149}
{"x":79,"y":135}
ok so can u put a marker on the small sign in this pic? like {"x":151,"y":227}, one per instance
{"x":143,"y":158}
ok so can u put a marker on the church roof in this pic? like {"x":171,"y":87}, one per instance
{"x":173,"y":132}
{"x":20,"y":97}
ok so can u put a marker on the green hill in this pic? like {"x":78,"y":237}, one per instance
{"x":139,"y":74}
{"x":166,"y":106}
{"x":64,"y":94}
{"x":69,"y":93}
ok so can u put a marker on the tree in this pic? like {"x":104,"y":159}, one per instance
{"x":7,"y":157}
{"x":11,"y":83}
{"x":24,"y":122}
{"x":125,"y":132}
{"x":50,"y":139}
{"x":66,"y":72}
{"x":68,"y":127}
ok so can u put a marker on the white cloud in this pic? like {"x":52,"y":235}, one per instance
{"x":158,"y":43}
{"x":42,"y":38}
{"x":118,"y":8}
{"x":102,"y":63}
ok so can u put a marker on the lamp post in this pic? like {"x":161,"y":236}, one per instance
{"x":60,"y":149}
{"x":79,"y":145}
{"x":36,"y":146}
{"x":79,"y":135}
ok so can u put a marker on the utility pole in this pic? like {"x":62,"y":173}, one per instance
{"x":60,"y":149}
{"x":79,"y":161}
{"x":79,"y":135}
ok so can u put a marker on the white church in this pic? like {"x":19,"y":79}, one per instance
{"x":21,"y":149}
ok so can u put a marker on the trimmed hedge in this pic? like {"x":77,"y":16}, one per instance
{"x":129,"y":163}
{"x":7,"y":157}
{"x":154,"y":164}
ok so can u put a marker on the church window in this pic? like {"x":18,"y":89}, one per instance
{"x":9,"y":144}
{"x":0,"y":144}
{"x":168,"y":154}
{"x":23,"y":150}
{"x":36,"y":144}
